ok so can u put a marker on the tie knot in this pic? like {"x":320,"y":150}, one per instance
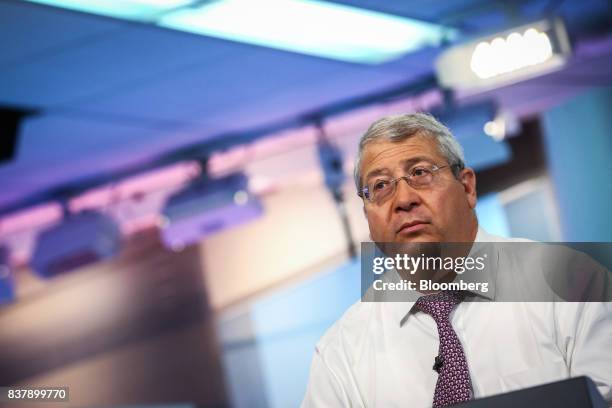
{"x":440,"y":305}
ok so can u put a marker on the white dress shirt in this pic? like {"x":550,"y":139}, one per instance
{"x":380,"y":354}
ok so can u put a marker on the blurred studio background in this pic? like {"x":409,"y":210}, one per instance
{"x":178,"y":220}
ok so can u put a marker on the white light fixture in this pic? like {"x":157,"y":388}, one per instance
{"x":312,"y":27}
{"x":319,"y":28}
{"x":495,"y":129}
{"x":504,"y":125}
{"x":241,"y":197}
{"x":511,"y":56}
{"x":503,"y":55}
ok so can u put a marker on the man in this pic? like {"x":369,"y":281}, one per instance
{"x":410,"y":173}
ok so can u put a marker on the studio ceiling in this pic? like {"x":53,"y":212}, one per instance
{"x":110,"y":94}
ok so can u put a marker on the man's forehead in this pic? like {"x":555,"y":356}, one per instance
{"x":389,"y":153}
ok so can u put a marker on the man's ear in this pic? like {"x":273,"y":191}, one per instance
{"x":467,"y":178}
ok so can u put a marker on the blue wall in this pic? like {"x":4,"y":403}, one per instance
{"x":492,"y":216}
{"x":578,"y":139}
{"x":267,"y":364}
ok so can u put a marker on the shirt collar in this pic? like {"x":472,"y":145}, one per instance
{"x":482,"y":245}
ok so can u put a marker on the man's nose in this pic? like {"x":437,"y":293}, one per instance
{"x":405,"y":197}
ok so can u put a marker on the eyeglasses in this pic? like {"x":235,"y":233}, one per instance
{"x":380,"y":189}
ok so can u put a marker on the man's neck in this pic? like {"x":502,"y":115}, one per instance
{"x":452,"y":250}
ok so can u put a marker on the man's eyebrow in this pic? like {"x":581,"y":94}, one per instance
{"x":414,"y":160}
{"x":376,"y":172}
{"x":404,"y":163}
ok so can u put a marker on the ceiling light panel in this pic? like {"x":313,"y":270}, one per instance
{"x":318,"y":28}
{"x":322,"y":29}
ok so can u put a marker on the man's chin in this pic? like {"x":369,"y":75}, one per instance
{"x":418,"y":237}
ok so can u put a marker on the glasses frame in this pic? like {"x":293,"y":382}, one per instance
{"x":364,"y":192}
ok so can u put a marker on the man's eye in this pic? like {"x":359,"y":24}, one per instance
{"x":420,"y":171}
{"x":380,"y":185}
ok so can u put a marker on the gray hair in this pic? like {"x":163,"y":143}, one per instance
{"x":398,"y":128}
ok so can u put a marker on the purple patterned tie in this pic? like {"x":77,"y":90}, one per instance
{"x":453,"y":385}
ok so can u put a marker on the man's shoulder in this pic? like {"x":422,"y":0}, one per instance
{"x":349,"y":329}
{"x":485,"y":236}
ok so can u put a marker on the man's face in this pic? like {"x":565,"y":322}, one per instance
{"x":441,"y":212}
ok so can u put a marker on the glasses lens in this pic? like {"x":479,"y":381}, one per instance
{"x":366,"y":193}
{"x":380,"y":189}
{"x":421,"y":176}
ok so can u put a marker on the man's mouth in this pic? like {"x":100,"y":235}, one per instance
{"x":411,"y":227}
